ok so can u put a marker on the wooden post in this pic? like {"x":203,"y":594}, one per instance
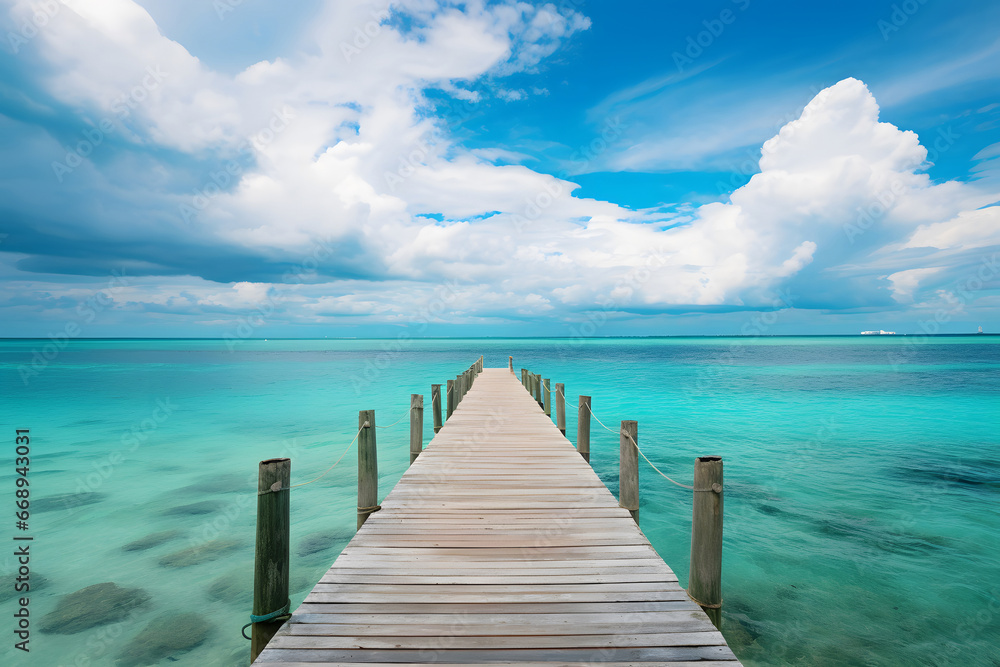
{"x":628,"y":469}
{"x":367,"y":466}
{"x":436,"y":406}
{"x":524,"y":378}
{"x":270,"y":569}
{"x":538,"y":390}
{"x":459,"y":381}
{"x":583,"y":429}
{"x":510,"y":364}
{"x":416,"y":426}
{"x":546,"y":398}
{"x":450,"y":398}
{"x":561,"y":407}
{"x":705,"y":578}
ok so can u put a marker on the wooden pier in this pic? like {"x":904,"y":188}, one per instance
{"x":499,"y":545}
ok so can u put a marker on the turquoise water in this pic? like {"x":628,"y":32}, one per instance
{"x":862,"y":477}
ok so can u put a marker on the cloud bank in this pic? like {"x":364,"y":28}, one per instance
{"x":324,"y":187}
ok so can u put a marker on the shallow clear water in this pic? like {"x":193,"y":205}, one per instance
{"x":862,"y":476}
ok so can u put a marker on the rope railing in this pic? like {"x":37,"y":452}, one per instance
{"x":637,"y":448}
{"x":339,"y":459}
{"x":408,"y":410}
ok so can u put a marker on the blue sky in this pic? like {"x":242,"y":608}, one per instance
{"x":189,"y":168}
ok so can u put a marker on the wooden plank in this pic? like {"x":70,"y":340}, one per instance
{"x":316,"y":624}
{"x":562,"y":663}
{"x":428,"y":608}
{"x":504,"y":655}
{"x":623,"y":638}
{"x":492,"y":618}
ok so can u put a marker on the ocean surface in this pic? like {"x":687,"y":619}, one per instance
{"x":862,"y":509}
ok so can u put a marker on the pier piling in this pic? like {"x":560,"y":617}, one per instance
{"x":628,"y":468}
{"x":705,"y":579}
{"x":583,"y":429}
{"x":367,"y":466}
{"x":416,"y":426}
{"x":436,"y":406}
{"x":270,"y":571}
{"x":450,"y":399}
{"x":561,"y":407}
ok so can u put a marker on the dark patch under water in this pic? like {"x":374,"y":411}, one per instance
{"x":738,"y":613}
{"x":976,"y":474}
{"x":66,"y":501}
{"x":152,"y":540}
{"x":766,"y":508}
{"x":92,"y":606}
{"x":36,"y":582}
{"x":237,"y":586}
{"x":202,"y":553}
{"x":879,"y":537}
{"x":194,"y":509}
{"x":163,"y":638}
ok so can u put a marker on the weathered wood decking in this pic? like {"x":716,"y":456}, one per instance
{"x":499,"y":545}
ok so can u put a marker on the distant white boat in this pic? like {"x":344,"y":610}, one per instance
{"x":980,"y":330}
{"x":880,"y":332}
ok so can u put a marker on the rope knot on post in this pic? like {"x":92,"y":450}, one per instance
{"x":280,"y":615}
